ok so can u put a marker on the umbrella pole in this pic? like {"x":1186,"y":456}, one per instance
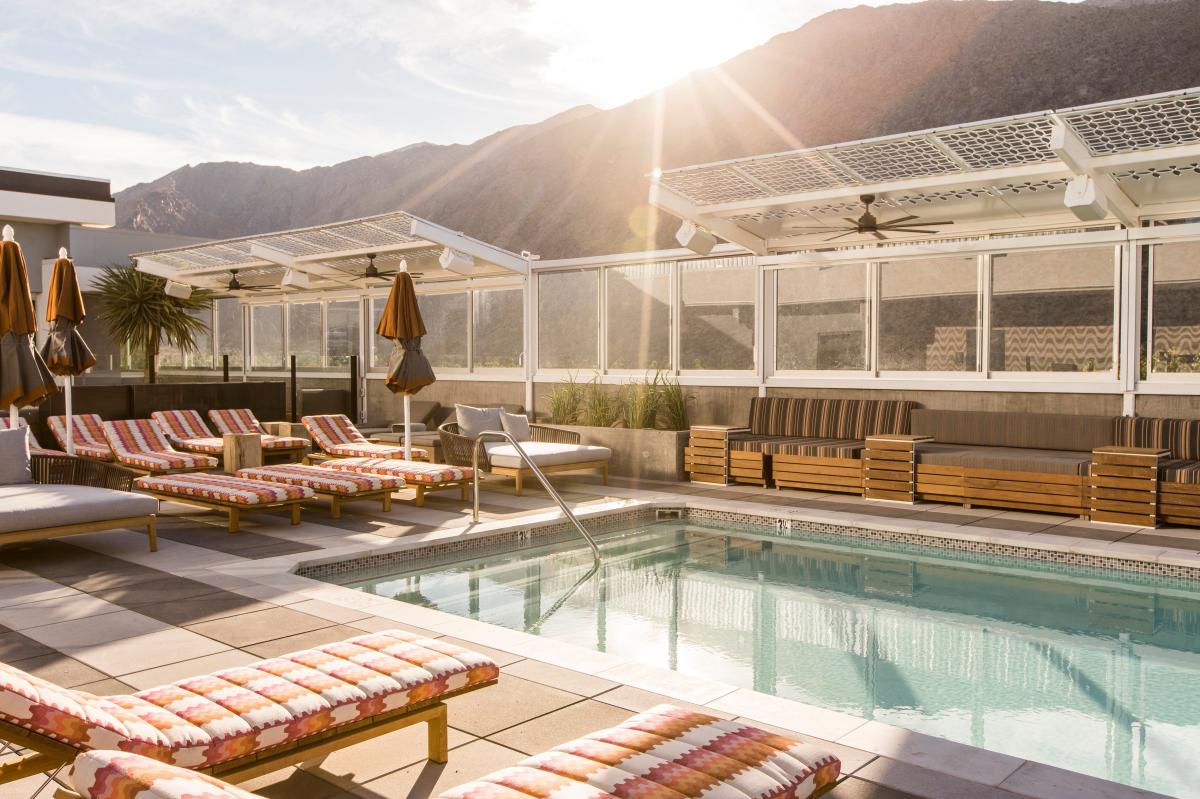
{"x":67,"y":383}
{"x":14,"y":417}
{"x":407,"y":427}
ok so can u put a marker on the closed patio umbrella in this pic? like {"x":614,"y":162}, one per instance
{"x":408,"y":368}
{"x":24,"y":378}
{"x":65,"y":351}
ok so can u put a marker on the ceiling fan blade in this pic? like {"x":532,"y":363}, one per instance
{"x":909,"y":230}
{"x":915,"y":224}
{"x":813,"y":227}
{"x":901,"y":219}
{"x":853,"y":222}
{"x":841,"y":235}
{"x":878,"y":235}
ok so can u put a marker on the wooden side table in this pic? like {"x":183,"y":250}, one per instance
{"x":890,"y":467}
{"x":242,"y":451}
{"x":1123,"y":485}
{"x":706,"y":457}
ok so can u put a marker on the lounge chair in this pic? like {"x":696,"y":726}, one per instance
{"x":139,"y":444}
{"x":337,"y":437}
{"x":34,"y":447}
{"x":187,"y":430}
{"x":88,"y":431}
{"x":246,"y":721}
{"x":243,"y":421}
{"x":420,"y":476}
{"x":665,"y":752}
{"x":228,"y":494}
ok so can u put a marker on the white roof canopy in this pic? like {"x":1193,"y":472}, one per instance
{"x":330,"y":256}
{"x":1122,"y":160}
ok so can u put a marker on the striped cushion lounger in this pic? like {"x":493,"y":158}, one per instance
{"x":242,"y":420}
{"x":417,"y":475}
{"x":664,"y":753}
{"x":187,"y":430}
{"x":227,"y":493}
{"x":249,"y":720}
{"x":337,"y":436}
{"x":337,"y":486}
{"x":88,"y":431}
{"x":34,"y":449}
{"x":141,"y":445}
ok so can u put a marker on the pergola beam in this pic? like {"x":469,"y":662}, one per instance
{"x":436,"y":234}
{"x":668,"y":200}
{"x":1091,"y":182}
{"x":288,"y":261}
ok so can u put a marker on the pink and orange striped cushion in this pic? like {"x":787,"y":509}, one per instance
{"x":141,"y":444}
{"x":223,"y":488}
{"x":242,"y":420}
{"x":88,"y":431}
{"x":317,"y":478}
{"x":187,"y":429}
{"x":408,"y":471}
{"x":336,"y":434}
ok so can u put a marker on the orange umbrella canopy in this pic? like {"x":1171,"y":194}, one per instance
{"x":24,"y":378}
{"x":65,"y":351}
{"x":408,"y":368}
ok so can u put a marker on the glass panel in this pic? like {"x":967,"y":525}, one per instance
{"x":639,"y":317}
{"x":569,"y":320}
{"x":266,"y":336}
{"x":821,"y":318}
{"x":445,"y":315}
{"x":304,"y":334}
{"x":929,"y":315}
{"x":498,"y":336}
{"x":341,"y":332}
{"x":229,"y":331}
{"x":716,"y":325}
{"x":170,"y":357}
{"x":1176,"y":313}
{"x":381,"y":348}
{"x":1052,"y":311}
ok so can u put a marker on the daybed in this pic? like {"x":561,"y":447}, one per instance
{"x":553,"y":449}
{"x":665,"y":752}
{"x":246,"y":721}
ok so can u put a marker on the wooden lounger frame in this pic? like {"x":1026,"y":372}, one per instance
{"x":519,"y":475}
{"x":1041,"y":492}
{"x":232,"y":509}
{"x":422,"y":489}
{"x":62,"y":530}
{"x":47,"y":754}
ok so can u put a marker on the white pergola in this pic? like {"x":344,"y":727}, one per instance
{"x":1112,"y":163}
{"x":329,"y":257}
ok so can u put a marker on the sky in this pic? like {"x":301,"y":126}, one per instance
{"x":132,"y":89}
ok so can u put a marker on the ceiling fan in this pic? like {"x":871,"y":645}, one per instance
{"x":867,"y":223}
{"x":236,"y":285}
{"x":372,"y":272}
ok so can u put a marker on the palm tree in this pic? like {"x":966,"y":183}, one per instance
{"x":135,"y":308}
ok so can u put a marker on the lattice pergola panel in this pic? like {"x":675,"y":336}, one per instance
{"x":1146,"y":125}
{"x":720,"y":184}
{"x":998,"y":146}
{"x":795,"y":174}
{"x":895,"y":160}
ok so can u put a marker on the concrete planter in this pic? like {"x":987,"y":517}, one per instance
{"x":646,"y":454}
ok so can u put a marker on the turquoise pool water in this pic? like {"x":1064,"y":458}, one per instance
{"x":1068,"y":666}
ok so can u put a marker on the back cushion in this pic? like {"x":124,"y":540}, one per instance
{"x":1061,"y":431}
{"x":1181,"y":436}
{"x":828,"y":418}
{"x":14,"y":456}
{"x":472,"y":421}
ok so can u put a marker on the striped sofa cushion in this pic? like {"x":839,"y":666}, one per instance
{"x":87,"y":429}
{"x":140,"y":443}
{"x":1180,"y":436}
{"x":797,"y":417}
{"x":1180,"y":471}
{"x":810,"y":446}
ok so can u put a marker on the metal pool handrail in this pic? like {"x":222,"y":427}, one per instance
{"x":533,"y":467}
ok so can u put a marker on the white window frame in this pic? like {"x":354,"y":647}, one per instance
{"x":717,"y":377}
{"x":1160,"y":382}
{"x":672,"y":367}
{"x":554,"y":374}
{"x":870,"y":280}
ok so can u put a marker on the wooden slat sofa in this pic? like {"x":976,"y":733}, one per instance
{"x":1178,"y":487}
{"x":811,"y":444}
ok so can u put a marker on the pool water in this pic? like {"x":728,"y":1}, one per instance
{"x":1090,"y":671}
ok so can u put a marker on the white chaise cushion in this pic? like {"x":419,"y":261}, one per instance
{"x":33,"y":506}
{"x":544,"y":453}
{"x":516,"y":425}
{"x":472,"y":421}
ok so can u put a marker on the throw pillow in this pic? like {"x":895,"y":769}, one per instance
{"x":473,"y":421}
{"x":516,"y":425}
{"x":14,"y":456}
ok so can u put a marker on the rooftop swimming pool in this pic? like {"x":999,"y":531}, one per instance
{"x":1087,"y":670}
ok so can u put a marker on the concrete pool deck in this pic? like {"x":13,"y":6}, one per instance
{"x":99,"y":613}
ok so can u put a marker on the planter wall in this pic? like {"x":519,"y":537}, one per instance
{"x":644,"y":454}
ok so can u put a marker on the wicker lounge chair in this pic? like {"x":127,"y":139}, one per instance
{"x":140,"y":444}
{"x":88,"y":431}
{"x":242,"y":722}
{"x":337,"y":437}
{"x":664,"y":752}
{"x":553,"y":449}
{"x":242,"y":420}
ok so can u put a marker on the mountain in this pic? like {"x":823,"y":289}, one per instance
{"x":575,"y":184}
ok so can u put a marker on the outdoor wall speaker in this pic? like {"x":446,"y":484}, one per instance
{"x":180,"y":291}
{"x":458,"y":262}
{"x":698,"y":241}
{"x":1084,"y":200}
{"x":295,"y":278}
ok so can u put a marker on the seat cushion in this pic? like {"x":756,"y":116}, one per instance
{"x":544,"y":453}
{"x":368,"y":450}
{"x":811,"y":447}
{"x":283,"y":442}
{"x":1009,"y":459}
{"x":205,"y":446}
{"x":31,"y":506}
{"x":407,"y":471}
{"x":223,"y":488}
{"x":106,"y":774}
{"x":205,"y":720}
{"x":666,"y":753}
{"x":1180,"y":471}
{"x":327,"y":481}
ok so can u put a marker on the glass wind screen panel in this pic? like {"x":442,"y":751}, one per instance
{"x":929,"y":315}
{"x":569,"y":320}
{"x":229,"y":331}
{"x":639,"y":317}
{"x":201,"y":357}
{"x":381,"y":348}
{"x":498,"y":336}
{"x":445,"y":315}
{"x":1176,"y":312}
{"x":1052,"y":311}
{"x":341,"y":332}
{"x":821,"y":318}
{"x":716,"y":324}
{"x":266,"y":337}
{"x":304,"y":334}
